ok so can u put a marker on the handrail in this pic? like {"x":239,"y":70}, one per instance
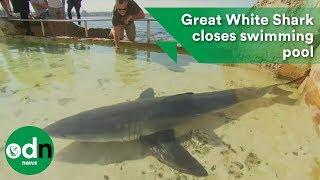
{"x":148,"y":20}
{"x":72,"y":20}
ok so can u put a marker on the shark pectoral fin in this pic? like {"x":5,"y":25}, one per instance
{"x":167,"y":150}
{"x":147,"y":94}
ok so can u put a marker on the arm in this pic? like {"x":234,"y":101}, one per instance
{"x":140,"y":15}
{"x":137,"y":13}
{"x":117,"y":35}
{"x":130,"y":18}
{"x":116,"y":32}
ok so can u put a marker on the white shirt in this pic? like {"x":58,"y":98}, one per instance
{"x":55,"y":3}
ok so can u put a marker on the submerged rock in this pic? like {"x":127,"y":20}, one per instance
{"x":235,"y":171}
{"x":252,"y":161}
{"x":293,"y":71}
{"x":311,"y":95}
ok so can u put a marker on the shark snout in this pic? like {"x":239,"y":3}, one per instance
{"x":54,"y":131}
{"x":61,"y":130}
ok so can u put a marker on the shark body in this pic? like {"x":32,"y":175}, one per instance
{"x":152,"y":120}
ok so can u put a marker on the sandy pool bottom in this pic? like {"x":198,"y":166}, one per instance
{"x":265,"y":138}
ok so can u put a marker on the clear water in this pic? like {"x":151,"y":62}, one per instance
{"x":40,"y":83}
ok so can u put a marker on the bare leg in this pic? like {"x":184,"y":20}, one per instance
{"x":5,"y":7}
{"x":117,"y":33}
{"x":9,"y":7}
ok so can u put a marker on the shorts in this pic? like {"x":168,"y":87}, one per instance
{"x":57,"y":13}
{"x":74,"y":3}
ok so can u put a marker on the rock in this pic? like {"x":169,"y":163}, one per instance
{"x":48,"y":75}
{"x":293,"y":71}
{"x":160,"y":175}
{"x":279,"y":3}
{"x":72,"y":30}
{"x":311,"y":95}
{"x":252,"y":161}
{"x":64,"y":101}
{"x":213,"y":168}
{"x":234,"y":171}
{"x":8,"y":28}
{"x":239,"y":165}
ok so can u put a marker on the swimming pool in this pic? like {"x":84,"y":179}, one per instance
{"x":42,"y":82}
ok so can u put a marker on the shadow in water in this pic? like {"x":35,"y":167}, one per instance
{"x":217,"y":119}
{"x":249,"y":99}
{"x":115,"y":152}
{"x":102,"y":153}
{"x":154,"y":57}
{"x":165,"y":61}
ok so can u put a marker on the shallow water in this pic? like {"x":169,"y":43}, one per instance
{"x":40,"y":83}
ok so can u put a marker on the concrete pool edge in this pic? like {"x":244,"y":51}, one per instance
{"x":143,"y":46}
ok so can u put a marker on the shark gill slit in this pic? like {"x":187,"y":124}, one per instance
{"x":134,"y":130}
{"x":128,"y":129}
{"x":137,"y":129}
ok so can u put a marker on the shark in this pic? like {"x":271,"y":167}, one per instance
{"x":152,"y":121}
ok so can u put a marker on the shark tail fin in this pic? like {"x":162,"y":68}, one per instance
{"x":167,"y":150}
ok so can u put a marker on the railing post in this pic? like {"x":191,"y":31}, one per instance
{"x":86,"y":28}
{"x":148,"y":30}
{"x":42,"y":28}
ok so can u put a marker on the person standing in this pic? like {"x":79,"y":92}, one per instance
{"x":22,"y":7}
{"x":56,"y":9}
{"x":74,"y":4}
{"x":124,"y":14}
{"x":41,"y":8}
{"x":6,"y":6}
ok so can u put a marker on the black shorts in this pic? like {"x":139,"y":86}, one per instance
{"x":74,"y":2}
{"x":20,"y":6}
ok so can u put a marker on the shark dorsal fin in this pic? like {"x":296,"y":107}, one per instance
{"x":147,"y":94}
